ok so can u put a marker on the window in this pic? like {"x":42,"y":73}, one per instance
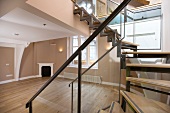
{"x":89,"y":54}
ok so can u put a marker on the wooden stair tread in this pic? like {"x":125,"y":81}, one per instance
{"x":158,"y":83}
{"x":149,"y":65}
{"x":142,"y":2}
{"x":96,"y":22}
{"x":130,"y":43}
{"x":154,"y":53}
{"x":143,"y":105}
{"x":115,"y":108}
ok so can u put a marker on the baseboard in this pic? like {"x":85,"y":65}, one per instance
{"x":35,"y":76}
{"x":23,"y":78}
{"x":123,"y":86}
{"x":28,"y":77}
{"x":7,"y":81}
{"x":109,"y":83}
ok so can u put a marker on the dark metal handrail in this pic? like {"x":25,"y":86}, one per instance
{"x":95,"y":33}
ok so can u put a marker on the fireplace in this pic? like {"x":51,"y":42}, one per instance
{"x":45,"y":69}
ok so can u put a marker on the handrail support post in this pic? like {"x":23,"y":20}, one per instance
{"x":72,"y":98}
{"x":79,"y":83}
{"x":30,"y":107}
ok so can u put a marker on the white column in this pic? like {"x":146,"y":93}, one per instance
{"x":19,"y":50}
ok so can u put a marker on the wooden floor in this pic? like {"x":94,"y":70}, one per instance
{"x":56,"y":98}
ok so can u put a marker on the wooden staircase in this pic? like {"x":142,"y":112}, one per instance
{"x":138,"y":103}
{"x":142,"y":104}
{"x":112,"y":35}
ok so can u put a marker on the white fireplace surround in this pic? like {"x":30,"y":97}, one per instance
{"x":45,"y":64}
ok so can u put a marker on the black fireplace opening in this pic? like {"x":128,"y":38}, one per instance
{"x":46,"y":71}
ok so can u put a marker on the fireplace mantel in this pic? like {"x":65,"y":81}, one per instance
{"x":45,"y":64}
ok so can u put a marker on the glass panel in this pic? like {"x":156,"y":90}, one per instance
{"x":101,"y":8}
{"x":95,"y":95}
{"x":116,"y":22}
{"x":111,"y":6}
{"x":148,"y":12}
{"x":56,"y":97}
{"x":129,"y":15}
{"x":141,"y":26}
{"x":127,"y":28}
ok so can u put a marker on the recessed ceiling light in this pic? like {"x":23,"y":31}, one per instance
{"x":16,"y":34}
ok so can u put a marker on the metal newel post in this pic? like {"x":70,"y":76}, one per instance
{"x":30,"y":107}
{"x":79,"y":83}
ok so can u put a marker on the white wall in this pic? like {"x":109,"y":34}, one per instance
{"x":166,"y":31}
{"x":166,"y":25}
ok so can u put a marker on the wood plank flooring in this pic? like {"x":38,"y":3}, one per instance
{"x":56,"y":98}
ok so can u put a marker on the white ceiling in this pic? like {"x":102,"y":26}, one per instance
{"x":29,"y":27}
